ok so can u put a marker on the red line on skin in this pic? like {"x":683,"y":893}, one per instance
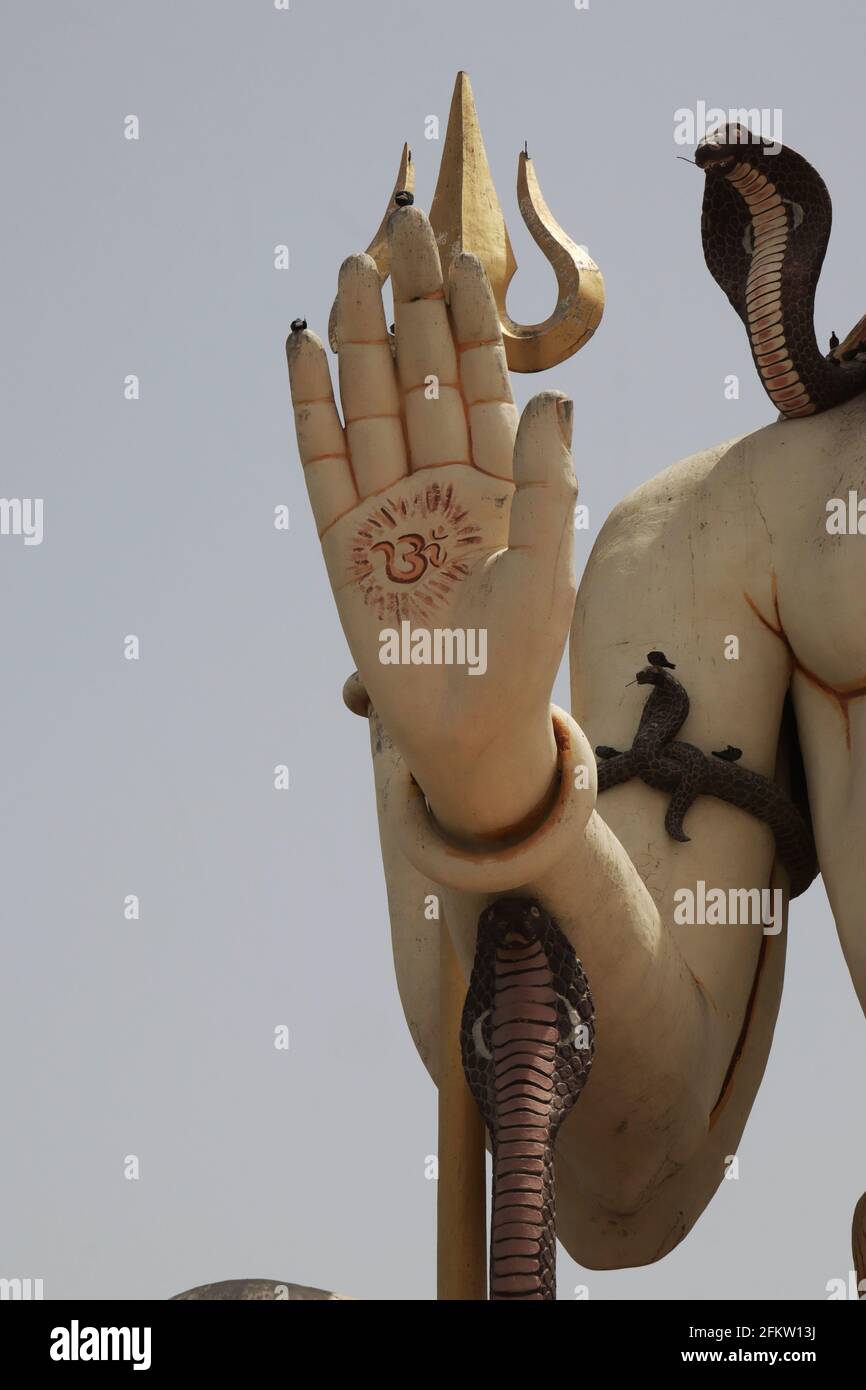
{"x":317,"y":458}
{"x":385,"y":415}
{"x":479,"y":343}
{"x":386,"y":487}
{"x":446,"y":463}
{"x":417,"y":298}
{"x":728,"y":1082}
{"x":500,"y":477}
{"x":336,"y":519}
{"x":422,"y":386}
{"x":842,"y":695}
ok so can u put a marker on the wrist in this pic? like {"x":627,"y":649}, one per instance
{"x":496,"y":866}
{"x":504,"y":795}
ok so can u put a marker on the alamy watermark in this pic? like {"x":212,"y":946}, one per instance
{"x":22,"y":516}
{"x":21,"y":1290}
{"x":691,"y":125}
{"x":77,"y":1343}
{"x":437,"y":646}
{"x":720,"y":907}
{"x":846,"y":516}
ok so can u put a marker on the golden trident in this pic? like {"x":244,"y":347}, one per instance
{"x":466,"y":215}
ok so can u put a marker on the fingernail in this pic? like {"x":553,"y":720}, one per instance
{"x":565,"y":412}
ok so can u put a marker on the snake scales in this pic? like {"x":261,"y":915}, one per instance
{"x":527,"y":1037}
{"x":765,"y":228}
{"x":667,"y":764}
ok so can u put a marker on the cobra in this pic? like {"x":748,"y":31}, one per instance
{"x":662,"y":761}
{"x":527,"y":1040}
{"x":765,"y":228}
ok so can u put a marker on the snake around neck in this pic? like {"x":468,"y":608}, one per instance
{"x":765,"y":228}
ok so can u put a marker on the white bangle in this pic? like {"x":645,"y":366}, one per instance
{"x":509,"y":865}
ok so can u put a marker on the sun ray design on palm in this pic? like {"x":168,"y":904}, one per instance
{"x":411,"y":551}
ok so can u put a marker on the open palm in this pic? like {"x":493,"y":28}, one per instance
{"x":445,"y":527}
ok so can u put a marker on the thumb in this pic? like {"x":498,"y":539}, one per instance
{"x":543,"y":505}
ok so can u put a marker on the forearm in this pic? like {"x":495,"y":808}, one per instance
{"x":650,"y":1072}
{"x":653,"y":1017}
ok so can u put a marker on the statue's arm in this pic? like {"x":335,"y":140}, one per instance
{"x":673,"y":1000}
{"x":435,"y":511}
{"x":655,"y":1021}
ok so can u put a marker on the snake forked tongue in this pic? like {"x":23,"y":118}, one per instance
{"x":527,"y":1039}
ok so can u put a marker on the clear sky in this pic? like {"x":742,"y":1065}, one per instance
{"x":258,"y":908}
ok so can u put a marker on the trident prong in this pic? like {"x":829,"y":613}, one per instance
{"x":466,"y":215}
{"x":378,"y":248}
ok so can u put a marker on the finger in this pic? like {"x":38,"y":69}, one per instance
{"x":426,"y":357}
{"x":543,"y":505}
{"x":321,"y":441}
{"x":368,"y":383}
{"x":483,"y":368}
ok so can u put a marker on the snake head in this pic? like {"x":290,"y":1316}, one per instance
{"x":655,"y":675}
{"x":725,"y":146}
{"x":656,"y":671}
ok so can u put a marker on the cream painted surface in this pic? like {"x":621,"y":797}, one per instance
{"x":730,"y":544}
{"x":638,"y":1160}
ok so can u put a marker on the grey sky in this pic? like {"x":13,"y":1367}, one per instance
{"x":155,"y":777}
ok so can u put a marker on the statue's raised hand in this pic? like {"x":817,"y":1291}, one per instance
{"x":446,"y":528}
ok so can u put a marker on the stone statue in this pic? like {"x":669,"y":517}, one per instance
{"x":656,"y":832}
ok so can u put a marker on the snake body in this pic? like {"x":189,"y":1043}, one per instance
{"x":527,"y":1039}
{"x":765,"y":228}
{"x":682,"y":769}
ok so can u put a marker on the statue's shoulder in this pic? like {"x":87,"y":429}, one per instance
{"x":769,"y":515}
{"x":786,"y":466}
{"x":684,"y":497}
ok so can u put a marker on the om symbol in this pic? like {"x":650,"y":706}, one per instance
{"x":412,"y":550}
{"x":406,"y":561}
